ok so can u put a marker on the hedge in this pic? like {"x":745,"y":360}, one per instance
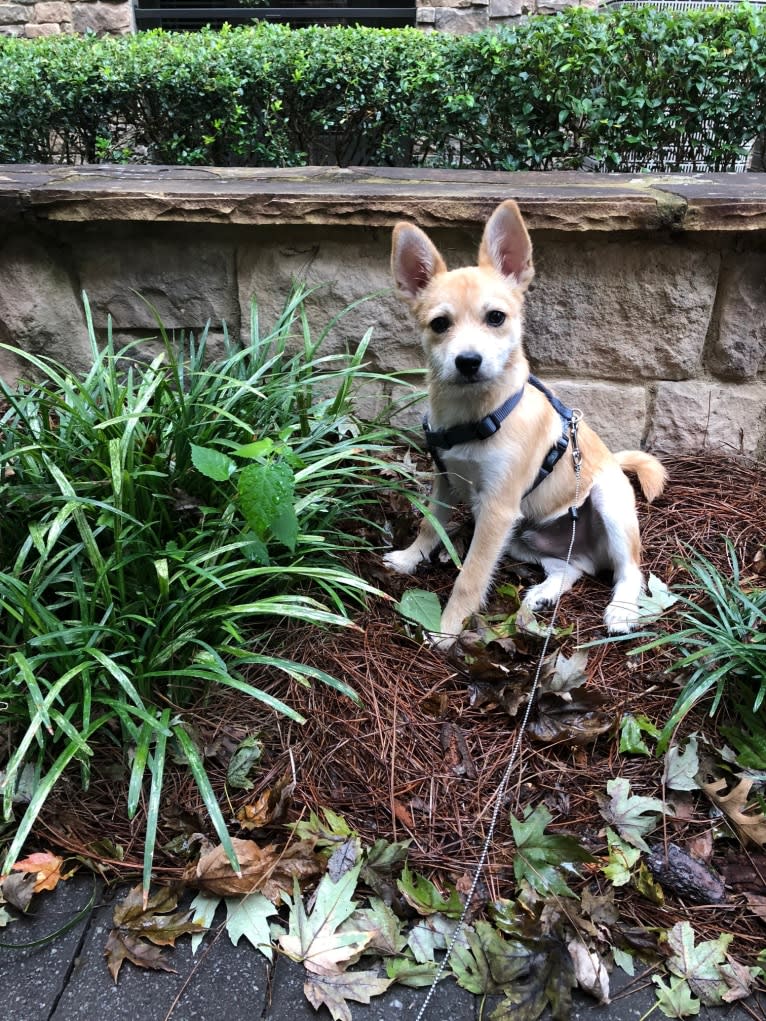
{"x":581,"y":88}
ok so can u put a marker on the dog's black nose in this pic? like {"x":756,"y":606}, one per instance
{"x":468,"y":364}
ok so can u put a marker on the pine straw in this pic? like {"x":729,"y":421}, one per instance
{"x":383,"y":764}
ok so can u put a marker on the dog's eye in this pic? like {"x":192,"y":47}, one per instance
{"x":440,"y":324}
{"x":495,"y":317}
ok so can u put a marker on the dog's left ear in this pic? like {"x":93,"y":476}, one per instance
{"x":506,"y":246}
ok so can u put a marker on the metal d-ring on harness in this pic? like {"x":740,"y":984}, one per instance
{"x":575,"y":415}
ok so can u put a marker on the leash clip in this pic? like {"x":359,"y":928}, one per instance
{"x":573,"y":423}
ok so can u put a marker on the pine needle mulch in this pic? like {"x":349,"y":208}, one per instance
{"x":417,"y":761}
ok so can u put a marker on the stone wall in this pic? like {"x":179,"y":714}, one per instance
{"x":33,"y":18}
{"x":462,"y":16}
{"x":647,"y":309}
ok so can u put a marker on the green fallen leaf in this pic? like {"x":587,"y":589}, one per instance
{"x":246,"y":757}
{"x":622,"y":858}
{"x":699,"y":963}
{"x":408,"y":972}
{"x":429,"y":935}
{"x":539,"y":855}
{"x":384,"y":927}
{"x":248,"y":916}
{"x":203,"y":908}
{"x":421,"y":894}
{"x":631,"y":814}
{"x":676,"y":999}
{"x":485,"y":963}
{"x":624,"y":961}
{"x":631,"y":735}
{"x":422,"y":608}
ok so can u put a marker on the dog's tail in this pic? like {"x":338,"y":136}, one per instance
{"x":651,"y":474}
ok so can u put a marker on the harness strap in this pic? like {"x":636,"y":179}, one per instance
{"x":445,"y":439}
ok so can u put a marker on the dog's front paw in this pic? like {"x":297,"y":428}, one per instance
{"x":403,"y":561}
{"x":441,"y":643}
{"x":621,"y":618}
{"x":541,"y":597}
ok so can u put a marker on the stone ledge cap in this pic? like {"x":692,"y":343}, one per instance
{"x":378,"y":197}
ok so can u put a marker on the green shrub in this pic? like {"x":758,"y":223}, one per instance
{"x":552,"y":92}
{"x":160,"y":522}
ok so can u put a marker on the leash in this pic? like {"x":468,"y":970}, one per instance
{"x":503,"y":785}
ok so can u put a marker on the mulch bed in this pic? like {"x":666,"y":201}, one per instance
{"x":418,"y":761}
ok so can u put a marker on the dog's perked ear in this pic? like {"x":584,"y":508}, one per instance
{"x":414,"y":260}
{"x":506,"y":246}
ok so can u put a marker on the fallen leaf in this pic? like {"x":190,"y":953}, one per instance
{"x":681,"y":768}
{"x":484,"y":963}
{"x":325,"y":830}
{"x":127,"y":946}
{"x":560,"y":675}
{"x":699,"y":963}
{"x":18,"y":890}
{"x":203,"y":909}
{"x":430,"y":934}
{"x":622,"y":858}
{"x":590,"y":971}
{"x":313,"y":938}
{"x":631,"y":814}
{"x":334,"y":990}
{"x":653,"y":603}
{"x":539,"y":855}
{"x":647,"y":885}
{"x":457,"y":757}
{"x":344,"y":858}
{"x":402,"y":813}
{"x":245,"y":758}
{"x":577,"y":720}
{"x":406,"y":972}
{"x":421,"y":894}
{"x":268,"y":870}
{"x":383,"y":926}
{"x":675,"y":1000}
{"x":157,"y":922}
{"x":380,"y":862}
{"x":248,"y":916}
{"x":270,"y":808}
{"x":750,"y":826}
{"x":46,"y":868}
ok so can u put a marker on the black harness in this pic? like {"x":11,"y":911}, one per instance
{"x":445,"y":439}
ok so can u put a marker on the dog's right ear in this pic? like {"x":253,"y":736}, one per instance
{"x":414,"y":260}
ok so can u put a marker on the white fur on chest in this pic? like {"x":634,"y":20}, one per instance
{"x":476,"y":470}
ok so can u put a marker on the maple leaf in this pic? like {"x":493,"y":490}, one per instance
{"x":46,"y":868}
{"x":485,"y":963}
{"x":751,"y":826}
{"x":314,"y":938}
{"x":203,"y":909}
{"x":676,"y":999}
{"x":430,"y":934}
{"x":334,"y":990}
{"x":268,"y":870}
{"x":538,"y":854}
{"x":406,"y":972}
{"x":631,"y":814}
{"x":382,"y":924}
{"x":549,"y":983}
{"x":157,"y":922}
{"x":699,"y":964}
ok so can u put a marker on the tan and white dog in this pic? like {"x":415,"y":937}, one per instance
{"x":492,"y":430}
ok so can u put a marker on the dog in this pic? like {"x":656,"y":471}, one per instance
{"x":505,"y":445}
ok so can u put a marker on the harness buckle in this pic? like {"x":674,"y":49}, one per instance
{"x":487,"y":426}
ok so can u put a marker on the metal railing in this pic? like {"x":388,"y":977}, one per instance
{"x":194,"y":14}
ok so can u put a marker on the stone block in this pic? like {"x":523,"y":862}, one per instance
{"x":349,"y":265}
{"x":426,"y":15}
{"x":40,"y":309}
{"x":461,"y":22}
{"x":621,"y":311}
{"x":14,"y":30}
{"x":13,"y":14}
{"x":699,"y":415}
{"x":506,"y":8}
{"x":616,"y":411}
{"x":739,"y":348}
{"x":188,"y":279}
{"x":103,"y":18}
{"x":53,"y":12}
{"x":35,"y":31}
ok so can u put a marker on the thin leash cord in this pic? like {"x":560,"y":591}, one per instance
{"x":503,"y":785}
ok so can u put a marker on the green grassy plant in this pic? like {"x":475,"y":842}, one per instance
{"x":721,"y":644}
{"x":161,"y":520}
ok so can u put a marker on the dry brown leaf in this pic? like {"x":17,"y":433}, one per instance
{"x":270,"y":808}
{"x":122,"y":946}
{"x":750,"y":827}
{"x":157,"y":922}
{"x":403,"y":814}
{"x":18,"y":890}
{"x":45,"y":866}
{"x":269,"y":870}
